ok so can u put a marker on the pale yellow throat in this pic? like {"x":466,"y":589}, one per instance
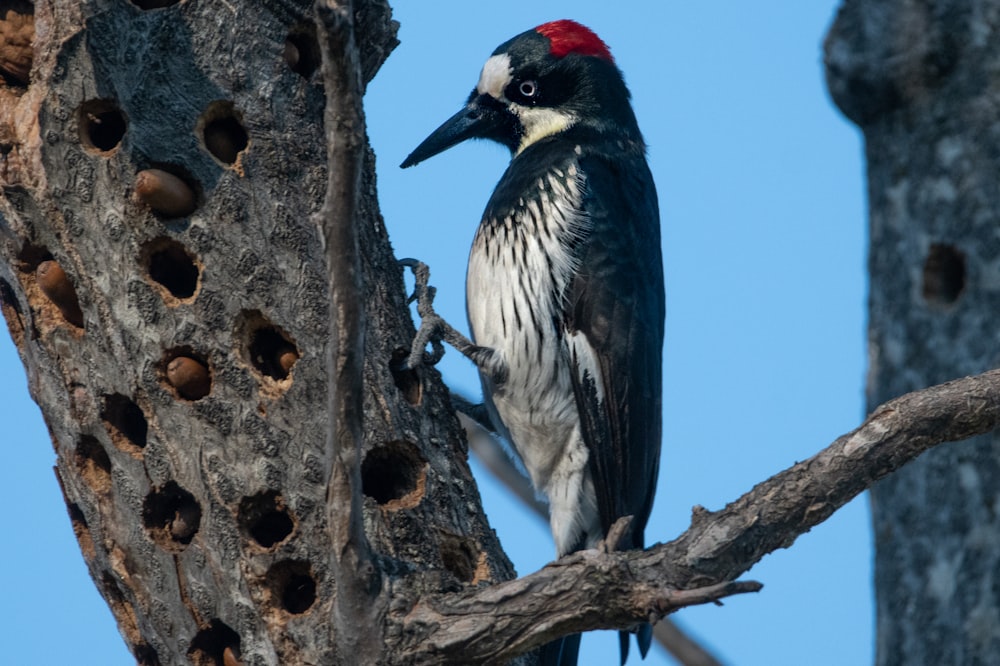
{"x":541,"y":122}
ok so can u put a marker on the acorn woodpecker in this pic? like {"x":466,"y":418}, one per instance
{"x":565,"y":283}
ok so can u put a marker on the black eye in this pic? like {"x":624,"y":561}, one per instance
{"x":528,"y":88}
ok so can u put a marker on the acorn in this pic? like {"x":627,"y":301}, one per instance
{"x":54,"y":283}
{"x":287,"y":356}
{"x":164,"y":193}
{"x":190,"y":377}
{"x":229,"y":657}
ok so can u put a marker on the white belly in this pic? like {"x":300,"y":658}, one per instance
{"x":516,"y":281}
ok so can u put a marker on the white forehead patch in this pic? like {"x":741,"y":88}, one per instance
{"x":497,"y":73}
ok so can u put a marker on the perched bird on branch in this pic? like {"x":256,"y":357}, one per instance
{"x":565,"y":285}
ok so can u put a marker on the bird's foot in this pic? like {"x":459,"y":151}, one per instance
{"x":433,"y":330}
{"x":431,"y":324}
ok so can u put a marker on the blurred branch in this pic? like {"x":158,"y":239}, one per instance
{"x":683,"y":648}
{"x":601,"y":589}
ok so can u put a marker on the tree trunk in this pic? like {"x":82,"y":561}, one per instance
{"x":918,"y":77}
{"x":165,"y":278}
{"x":166,"y":286}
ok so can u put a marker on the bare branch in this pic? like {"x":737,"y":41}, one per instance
{"x":354,"y":570}
{"x":497,"y":461}
{"x":722,"y":545}
{"x":615,"y":590}
{"x":584,"y":591}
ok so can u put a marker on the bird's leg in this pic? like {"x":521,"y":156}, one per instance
{"x":433,"y":329}
{"x":475,"y":411}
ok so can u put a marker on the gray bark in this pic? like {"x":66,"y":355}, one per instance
{"x":198,"y":487}
{"x":196,"y":356}
{"x":918,"y":77}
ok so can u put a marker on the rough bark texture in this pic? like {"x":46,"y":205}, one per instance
{"x":918,"y":77}
{"x":167,"y":286}
{"x":198,"y":486}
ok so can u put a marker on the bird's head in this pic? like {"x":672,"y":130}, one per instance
{"x":540,"y":83}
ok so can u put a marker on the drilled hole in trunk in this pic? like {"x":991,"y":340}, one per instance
{"x":222,"y":132}
{"x":171,"y":516}
{"x":268,"y":349}
{"x":943,"y":275}
{"x":57,"y":287}
{"x":102,"y":125}
{"x":93,"y":464}
{"x":292,"y":586}
{"x":406,"y":380}
{"x":459,"y":556}
{"x":186,"y":373}
{"x":125,"y":423}
{"x":265,"y":519}
{"x":81,"y":530}
{"x":170,"y":266}
{"x":394,"y":475}
{"x":302,"y":50}
{"x":209,"y":647}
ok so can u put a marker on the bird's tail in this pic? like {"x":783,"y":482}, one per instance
{"x":562,"y":651}
{"x":643,"y":636}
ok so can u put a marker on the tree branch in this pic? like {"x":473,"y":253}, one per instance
{"x":352,"y":564}
{"x":685,"y":649}
{"x":614,"y":590}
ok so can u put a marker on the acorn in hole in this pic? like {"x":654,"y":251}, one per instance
{"x":164,"y":193}
{"x":54,"y":283}
{"x":190,"y":377}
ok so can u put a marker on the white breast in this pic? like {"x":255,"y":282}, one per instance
{"x":519,"y":270}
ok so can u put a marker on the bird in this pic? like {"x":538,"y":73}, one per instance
{"x":564,"y":288}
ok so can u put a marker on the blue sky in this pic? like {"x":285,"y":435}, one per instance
{"x":762,"y":204}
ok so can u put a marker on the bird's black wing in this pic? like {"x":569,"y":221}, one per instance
{"x":615,"y":304}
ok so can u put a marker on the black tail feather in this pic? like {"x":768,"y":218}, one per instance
{"x":562,"y":651}
{"x":624,"y":638}
{"x":643,"y":636}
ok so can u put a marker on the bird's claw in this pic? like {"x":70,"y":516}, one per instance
{"x":433,"y":330}
{"x":431,"y":324}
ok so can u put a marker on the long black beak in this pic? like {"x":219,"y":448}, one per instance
{"x":482,"y":118}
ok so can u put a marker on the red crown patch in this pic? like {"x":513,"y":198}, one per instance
{"x":566,"y":36}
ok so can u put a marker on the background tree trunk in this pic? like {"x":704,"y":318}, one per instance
{"x":166,"y":287}
{"x":919,"y":79}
